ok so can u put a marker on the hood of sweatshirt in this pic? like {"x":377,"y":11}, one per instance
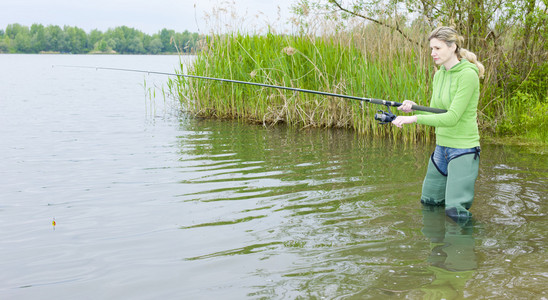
{"x":463,"y":64}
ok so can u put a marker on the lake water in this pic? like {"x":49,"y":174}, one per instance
{"x":150,"y":203}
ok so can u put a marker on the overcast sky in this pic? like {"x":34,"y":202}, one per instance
{"x":149,"y":16}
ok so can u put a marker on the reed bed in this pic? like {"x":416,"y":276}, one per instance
{"x":346,"y":64}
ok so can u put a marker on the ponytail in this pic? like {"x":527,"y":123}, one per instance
{"x":471,"y":57}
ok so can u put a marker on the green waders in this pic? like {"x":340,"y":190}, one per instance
{"x":433,"y":186}
{"x":462,"y":173}
{"x":456,"y":189}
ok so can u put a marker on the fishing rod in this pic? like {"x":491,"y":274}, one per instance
{"x":382,"y":116}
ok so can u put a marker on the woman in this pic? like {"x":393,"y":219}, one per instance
{"x":453,"y":167}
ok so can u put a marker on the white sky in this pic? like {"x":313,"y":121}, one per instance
{"x":150,"y":16}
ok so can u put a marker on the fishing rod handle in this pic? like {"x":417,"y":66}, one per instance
{"x":397,"y":104}
{"x":428,"y":109}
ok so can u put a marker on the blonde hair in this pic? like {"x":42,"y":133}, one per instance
{"x":450,"y":36}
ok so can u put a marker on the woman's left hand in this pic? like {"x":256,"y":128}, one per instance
{"x":406,"y":106}
{"x":400,"y":120}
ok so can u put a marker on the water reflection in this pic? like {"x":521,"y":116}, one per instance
{"x":452,"y":259}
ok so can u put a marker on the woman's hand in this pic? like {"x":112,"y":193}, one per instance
{"x":400,"y":120}
{"x":406,"y":106}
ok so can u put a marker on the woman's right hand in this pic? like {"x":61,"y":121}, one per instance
{"x":406,"y":106}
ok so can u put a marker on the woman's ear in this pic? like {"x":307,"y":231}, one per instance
{"x":453,"y":47}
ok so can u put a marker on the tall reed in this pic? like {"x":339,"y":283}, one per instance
{"x":355,"y":65}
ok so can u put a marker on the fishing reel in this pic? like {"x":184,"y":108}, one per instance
{"x":385,"y":116}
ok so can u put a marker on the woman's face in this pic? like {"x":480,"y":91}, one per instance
{"x":441,"y":53}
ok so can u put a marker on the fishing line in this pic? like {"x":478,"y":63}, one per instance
{"x":383,"y":117}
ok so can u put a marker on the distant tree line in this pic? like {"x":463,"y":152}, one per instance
{"x":38,"y":38}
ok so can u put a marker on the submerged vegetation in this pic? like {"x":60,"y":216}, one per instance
{"x":382,"y":58}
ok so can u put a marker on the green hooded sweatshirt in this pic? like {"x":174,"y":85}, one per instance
{"x":457,"y":91}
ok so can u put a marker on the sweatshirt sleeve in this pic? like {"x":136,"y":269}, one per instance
{"x":467,"y":84}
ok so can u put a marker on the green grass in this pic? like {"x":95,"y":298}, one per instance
{"x":329,"y":65}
